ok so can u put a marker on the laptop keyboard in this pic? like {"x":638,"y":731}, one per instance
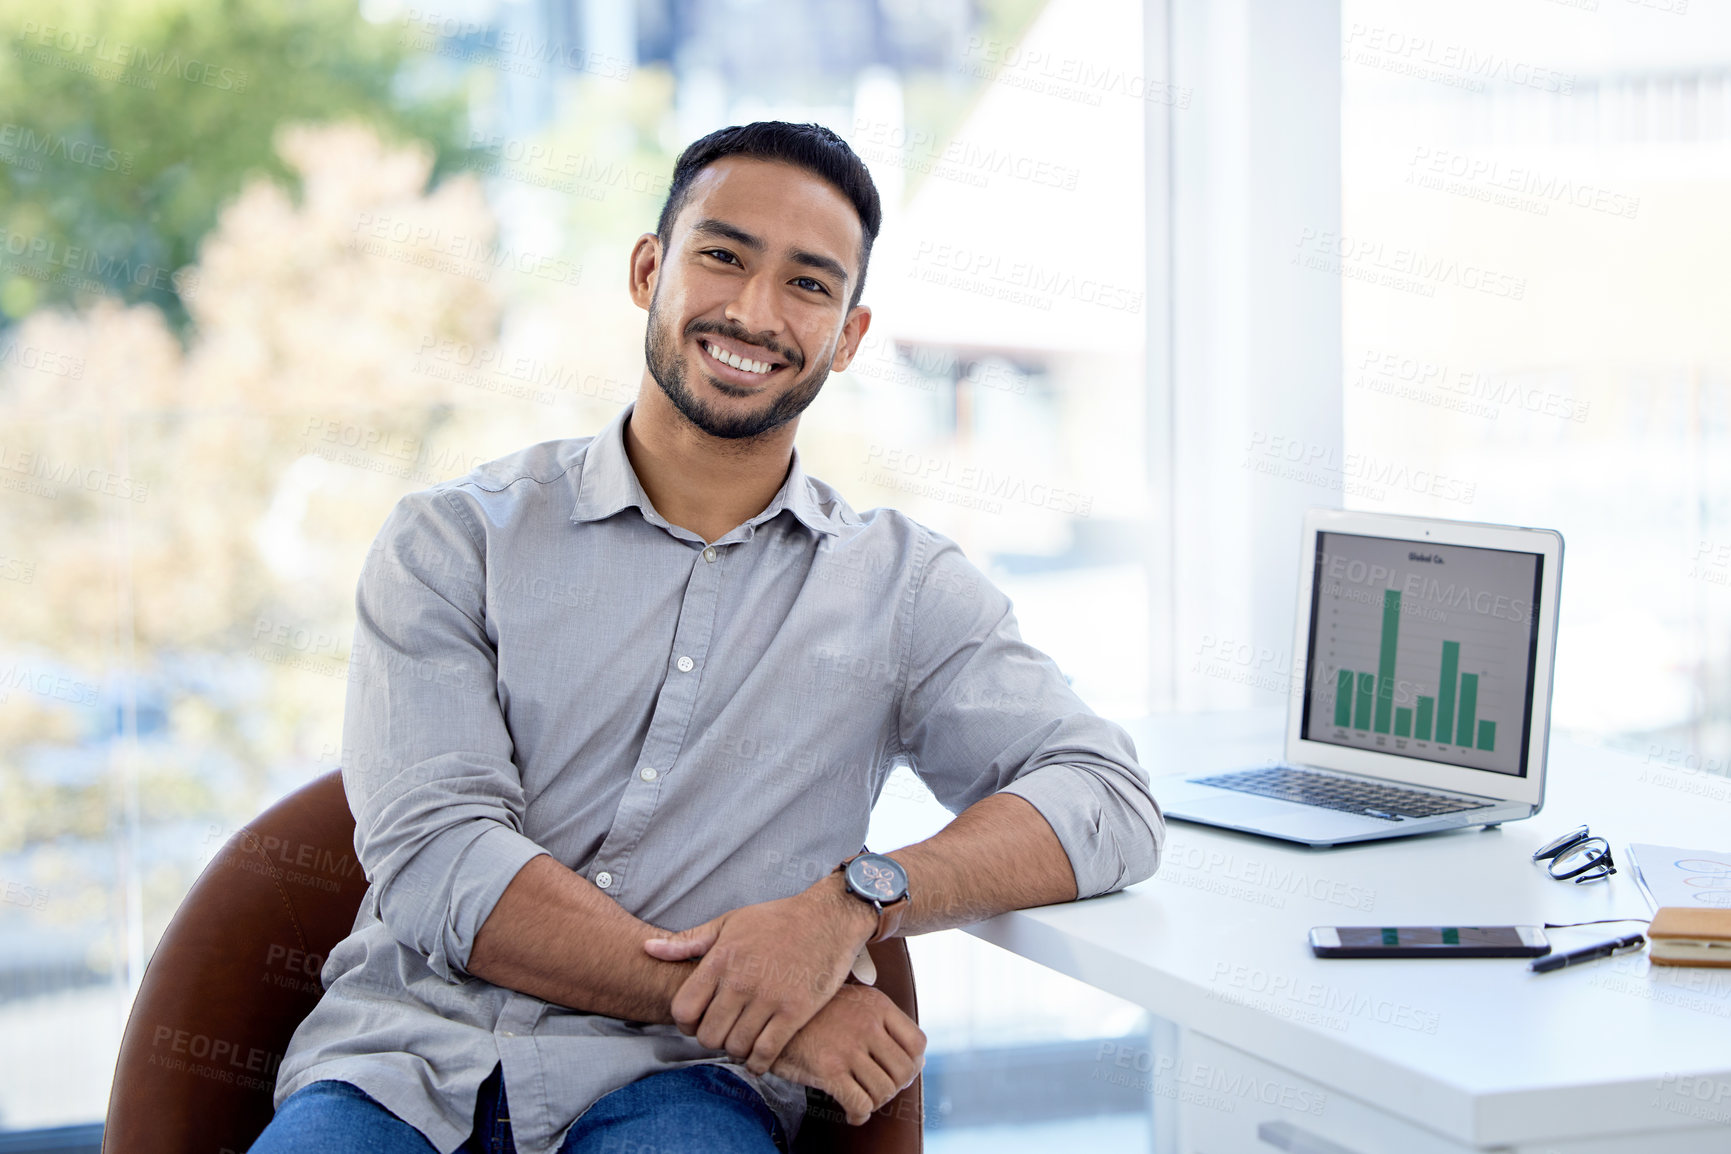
{"x":1349,"y":795}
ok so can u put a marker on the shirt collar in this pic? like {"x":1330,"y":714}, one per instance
{"x":609,"y":484}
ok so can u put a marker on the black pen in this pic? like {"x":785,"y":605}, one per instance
{"x":1551,"y":962}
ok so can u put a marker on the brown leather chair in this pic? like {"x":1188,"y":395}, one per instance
{"x":237,"y":970}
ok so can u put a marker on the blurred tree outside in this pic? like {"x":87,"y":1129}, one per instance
{"x":148,"y":432}
{"x":124,"y":127}
{"x":178,"y":506}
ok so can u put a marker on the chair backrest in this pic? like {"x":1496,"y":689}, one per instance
{"x":238,"y":968}
{"x":234,"y":974}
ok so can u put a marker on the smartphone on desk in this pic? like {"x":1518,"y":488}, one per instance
{"x":1429,"y":942}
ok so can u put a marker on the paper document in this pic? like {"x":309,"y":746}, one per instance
{"x":1671,"y":876}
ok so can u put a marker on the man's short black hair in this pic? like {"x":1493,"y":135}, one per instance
{"x":809,"y":146}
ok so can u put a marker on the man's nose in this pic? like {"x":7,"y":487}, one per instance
{"x":756,"y":308}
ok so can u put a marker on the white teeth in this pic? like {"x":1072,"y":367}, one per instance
{"x":735,"y":360}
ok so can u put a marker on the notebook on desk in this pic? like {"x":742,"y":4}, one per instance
{"x":1423,"y":701}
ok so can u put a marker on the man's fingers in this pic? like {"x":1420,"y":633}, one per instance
{"x":692,"y":1001}
{"x":748,"y":1031}
{"x":724,"y":1010}
{"x":771,"y":1041}
{"x":895,"y":1059}
{"x":686,"y":944}
{"x":907,"y":1034}
{"x":874,"y":1080}
{"x":853,"y":1100}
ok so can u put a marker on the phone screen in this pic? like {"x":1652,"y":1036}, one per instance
{"x":1390,"y":937}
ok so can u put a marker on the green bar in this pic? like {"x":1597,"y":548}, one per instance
{"x":1451,"y":937}
{"x":1403,"y":722}
{"x":1385,"y":663}
{"x":1445,"y":693}
{"x":1343,"y":700}
{"x":1487,"y":735}
{"x":1390,"y":936}
{"x":1426,"y":712}
{"x":1361,"y":709}
{"x":1469,"y":709}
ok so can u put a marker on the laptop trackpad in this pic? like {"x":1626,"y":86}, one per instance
{"x":1236,"y":808}
{"x":1276,"y":818}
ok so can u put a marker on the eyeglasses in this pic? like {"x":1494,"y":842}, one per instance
{"x":1578,"y":855}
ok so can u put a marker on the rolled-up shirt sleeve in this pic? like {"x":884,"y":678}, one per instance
{"x":427,"y":757}
{"x":984,"y":712}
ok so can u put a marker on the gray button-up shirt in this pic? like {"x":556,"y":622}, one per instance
{"x":542,"y":664}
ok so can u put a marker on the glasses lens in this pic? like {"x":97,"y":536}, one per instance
{"x":1553,"y":848}
{"x":1592,"y":856}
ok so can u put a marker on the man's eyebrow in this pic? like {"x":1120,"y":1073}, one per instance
{"x":731,"y":231}
{"x":821,"y":263}
{"x":738,"y":235}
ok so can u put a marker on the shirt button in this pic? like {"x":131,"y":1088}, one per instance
{"x":685,"y":664}
{"x":604,"y":880}
{"x":647,"y":774}
{"x":709,"y":553}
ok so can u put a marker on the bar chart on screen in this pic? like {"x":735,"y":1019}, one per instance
{"x":1423,"y":653}
{"x":1366,"y":700}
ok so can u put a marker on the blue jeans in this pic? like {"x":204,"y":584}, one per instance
{"x":691,"y":1108}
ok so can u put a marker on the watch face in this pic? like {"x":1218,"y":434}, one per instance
{"x":877,"y":878}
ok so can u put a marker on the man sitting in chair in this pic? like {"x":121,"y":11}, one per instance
{"x":620,"y":708}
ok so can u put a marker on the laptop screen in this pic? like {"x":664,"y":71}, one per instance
{"x":1423,"y":650}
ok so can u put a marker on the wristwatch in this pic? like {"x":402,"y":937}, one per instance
{"x":881,"y":882}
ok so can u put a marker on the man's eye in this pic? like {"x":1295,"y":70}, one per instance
{"x":720,"y":254}
{"x":806,"y":282}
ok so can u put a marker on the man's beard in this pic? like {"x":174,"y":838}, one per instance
{"x":661,"y":352}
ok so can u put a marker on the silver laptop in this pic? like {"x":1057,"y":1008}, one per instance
{"x":1423,"y":701}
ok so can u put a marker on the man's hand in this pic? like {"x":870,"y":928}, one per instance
{"x":859,"y":1049}
{"x":767,"y":969}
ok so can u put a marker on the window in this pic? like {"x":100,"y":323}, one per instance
{"x":406,"y":259}
{"x":1531,"y":257}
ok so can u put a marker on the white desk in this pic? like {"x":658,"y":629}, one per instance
{"x":1277,"y":1049}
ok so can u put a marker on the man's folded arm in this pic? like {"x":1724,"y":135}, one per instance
{"x":439,"y":803}
{"x":554,"y":936}
{"x":1052,"y":802}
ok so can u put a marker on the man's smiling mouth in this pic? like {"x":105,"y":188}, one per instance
{"x":735,"y":361}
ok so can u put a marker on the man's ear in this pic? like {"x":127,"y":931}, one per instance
{"x":853,"y":331}
{"x":645,"y":267}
